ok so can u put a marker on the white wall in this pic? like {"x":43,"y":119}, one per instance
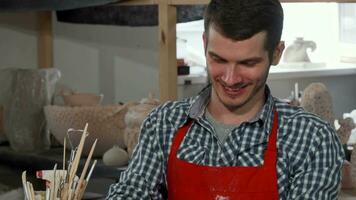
{"x":18,"y":40}
{"x":120,"y":62}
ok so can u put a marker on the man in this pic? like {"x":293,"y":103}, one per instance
{"x":234,"y":140}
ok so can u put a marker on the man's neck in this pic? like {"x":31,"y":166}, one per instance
{"x":245,"y":113}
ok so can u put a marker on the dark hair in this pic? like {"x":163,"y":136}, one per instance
{"x":241,"y":19}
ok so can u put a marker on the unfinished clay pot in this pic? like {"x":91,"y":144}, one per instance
{"x":317,"y":99}
{"x":106,"y":123}
{"x":82,"y":99}
{"x":346,"y":126}
{"x":134,"y":117}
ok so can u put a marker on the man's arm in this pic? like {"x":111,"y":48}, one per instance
{"x":144,"y":173}
{"x":320,"y":174}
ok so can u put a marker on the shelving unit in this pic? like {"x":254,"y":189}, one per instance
{"x":167,"y":38}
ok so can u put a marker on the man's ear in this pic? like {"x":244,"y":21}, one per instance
{"x":204,"y":36}
{"x":277,"y":54}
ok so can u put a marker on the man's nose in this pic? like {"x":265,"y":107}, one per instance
{"x":232,"y":75}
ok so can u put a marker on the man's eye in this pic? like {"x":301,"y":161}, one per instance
{"x":218,"y":60}
{"x":250,"y":63}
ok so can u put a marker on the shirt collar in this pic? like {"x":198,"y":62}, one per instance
{"x":199,"y":104}
{"x":266,"y":114}
{"x":265,"y":117}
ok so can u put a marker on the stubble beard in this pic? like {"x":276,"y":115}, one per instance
{"x":232,"y":107}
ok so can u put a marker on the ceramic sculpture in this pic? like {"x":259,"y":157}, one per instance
{"x":317,"y":99}
{"x":344,"y":132}
{"x":24,"y":93}
{"x":106,"y":124}
{"x":116,"y":157}
{"x":133,"y":120}
{"x":346,"y":126}
{"x":82,"y":99}
{"x":297,"y":52}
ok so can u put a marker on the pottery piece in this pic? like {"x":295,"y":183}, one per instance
{"x":317,"y":99}
{"x":297,"y":52}
{"x":134,"y":117}
{"x":346,"y":126}
{"x":106,"y":123}
{"x":351,"y":114}
{"x":24,"y":94}
{"x":82,"y":99}
{"x":116,"y":157}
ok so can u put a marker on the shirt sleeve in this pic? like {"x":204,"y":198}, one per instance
{"x":320,"y":175}
{"x":142,"y":178}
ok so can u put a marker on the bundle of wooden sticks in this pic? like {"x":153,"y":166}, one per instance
{"x":63,"y":184}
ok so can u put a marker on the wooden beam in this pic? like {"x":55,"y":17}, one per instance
{"x":167,"y":47}
{"x":202,"y":2}
{"x":45,"y":40}
{"x":136,"y":2}
{"x":318,"y":1}
{"x":188,"y":2}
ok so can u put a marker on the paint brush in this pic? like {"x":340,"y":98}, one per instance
{"x":24,"y":183}
{"x":85,"y":168}
{"x":64,"y":153}
{"x":85,"y":183}
{"x":53,"y":189}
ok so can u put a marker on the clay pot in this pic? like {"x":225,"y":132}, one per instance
{"x":134,"y":117}
{"x":106,"y":123}
{"x":297,"y":52}
{"x":116,"y":157}
{"x":82,"y":99}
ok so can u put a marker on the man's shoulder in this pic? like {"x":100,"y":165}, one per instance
{"x":173,"y":110}
{"x":303,"y":130}
{"x":295,"y":114}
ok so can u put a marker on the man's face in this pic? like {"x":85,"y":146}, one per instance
{"x":238,"y":69}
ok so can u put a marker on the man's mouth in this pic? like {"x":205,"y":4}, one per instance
{"x":235,"y":90}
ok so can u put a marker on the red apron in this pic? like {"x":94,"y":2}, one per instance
{"x":188,"y":181}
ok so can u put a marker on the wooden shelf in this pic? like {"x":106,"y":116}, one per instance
{"x":45,"y":40}
{"x":167,"y":39}
{"x":137,"y":2}
{"x":318,"y":1}
{"x":202,"y":2}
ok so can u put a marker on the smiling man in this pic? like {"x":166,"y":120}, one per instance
{"x":235,"y":140}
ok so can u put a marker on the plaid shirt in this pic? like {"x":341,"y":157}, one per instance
{"x":309,"y":161}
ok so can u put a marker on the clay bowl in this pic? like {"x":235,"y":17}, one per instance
{"x":82,"y":99}
{"x":106,"y":123}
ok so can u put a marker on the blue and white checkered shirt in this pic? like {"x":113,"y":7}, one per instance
{"x":310,"y":155}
